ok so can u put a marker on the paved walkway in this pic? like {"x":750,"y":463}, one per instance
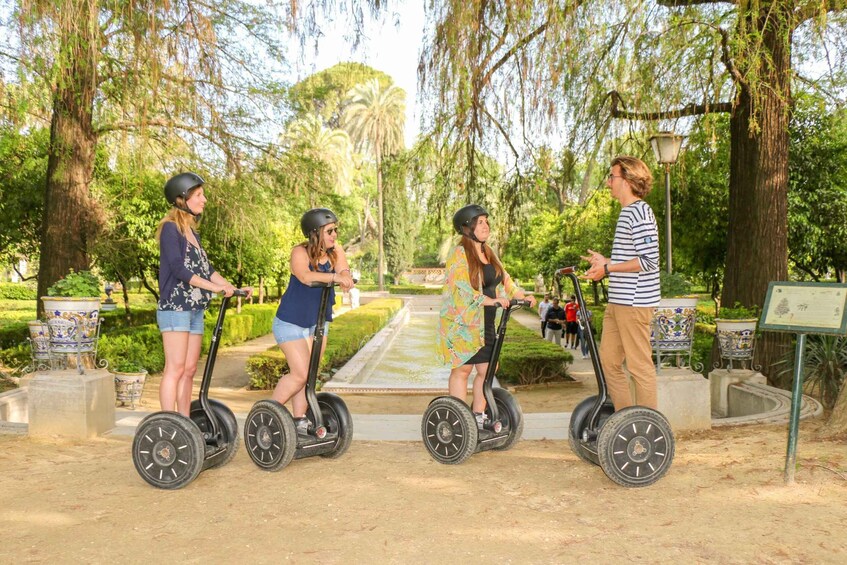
{"x":231,"y":378}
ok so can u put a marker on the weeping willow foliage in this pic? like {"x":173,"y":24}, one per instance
{"x":506,"y":74}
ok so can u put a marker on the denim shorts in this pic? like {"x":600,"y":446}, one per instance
{"x":285,"y":331}
{"x":184,"y":321}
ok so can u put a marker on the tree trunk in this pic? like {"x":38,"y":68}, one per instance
{"x":70,"y":219}
{"x":381,"y":220}
{"x":837,"y":423}
{"x":757,"y":251}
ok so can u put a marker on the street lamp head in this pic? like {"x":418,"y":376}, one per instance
{"x":666,"y":146}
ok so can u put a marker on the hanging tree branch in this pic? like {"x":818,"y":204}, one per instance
{"x":688,"y":110}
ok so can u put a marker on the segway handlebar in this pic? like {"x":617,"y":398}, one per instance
{"x":237,"y":293}
{"x":565,"y":271}
{"x":319,"y":284}
{"x":514,"y":303}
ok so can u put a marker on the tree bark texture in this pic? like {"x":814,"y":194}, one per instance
{"x":837,"y":423}
{"x":757,"y":251}
{"x":70,"y":220}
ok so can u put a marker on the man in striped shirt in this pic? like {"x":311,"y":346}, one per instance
{"x":633,"y":271}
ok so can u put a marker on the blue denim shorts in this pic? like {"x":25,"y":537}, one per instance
{"x":285,"y":331}
{"x":185,"y":321}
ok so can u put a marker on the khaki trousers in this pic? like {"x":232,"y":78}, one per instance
{"x":626,"y":336}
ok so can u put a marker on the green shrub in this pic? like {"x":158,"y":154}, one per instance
{"x":17,"y":291}
{"x":141,"y":344}
{"x":13,"y":335}
{"x":348,"y":333}
{"x":528,"y":359}
{"x":401,"y":289}
{"x":81,"y":284}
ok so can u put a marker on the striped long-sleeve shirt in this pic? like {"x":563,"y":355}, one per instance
{"x":636,"y":236}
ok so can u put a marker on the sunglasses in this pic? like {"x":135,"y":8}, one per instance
{"x":331,"y":231}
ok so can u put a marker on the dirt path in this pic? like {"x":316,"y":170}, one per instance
{"x":388,"y":502}
{"x":723,"y":501}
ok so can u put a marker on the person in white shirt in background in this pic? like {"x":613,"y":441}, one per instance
{"x":543,"y":306}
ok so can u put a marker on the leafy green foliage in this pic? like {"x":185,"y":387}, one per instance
{"x":325,"y":92}
{"x":817,"y":197}
{"x":23,"y":169}
{"x":81,"y":284}
{"x":673,"y":284}
{"x":347,"y":335}
{"x":16,"y":291}
{"x":528,"y":359}
{"x":824,"y":367}
{"x":738,"y":312}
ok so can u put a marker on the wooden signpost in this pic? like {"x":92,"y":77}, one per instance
{"x":803,"y":308}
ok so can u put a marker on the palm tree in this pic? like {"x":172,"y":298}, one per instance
{"x":308,"y":137}
{"x":374,"y":118}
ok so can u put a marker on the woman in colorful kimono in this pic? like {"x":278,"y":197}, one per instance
{"x":476,"y":285}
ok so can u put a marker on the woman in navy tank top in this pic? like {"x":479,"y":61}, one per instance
{"x":316,"y":260}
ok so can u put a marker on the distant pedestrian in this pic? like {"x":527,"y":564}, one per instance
{"x":543,"y":306}
{"x":571,"y":325}
{"x":555,"y":322}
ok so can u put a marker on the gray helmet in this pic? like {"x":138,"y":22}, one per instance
{"x":315,"y":219}
{"x":180,"y":184}
{"x":466,"y":215}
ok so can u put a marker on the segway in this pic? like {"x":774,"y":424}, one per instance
{"x":634,"y":446}
{"x":170,"y":450}
{"x":270,"y":436}
{"x":449,"y":429}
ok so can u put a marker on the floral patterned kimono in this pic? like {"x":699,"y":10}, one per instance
{"x":460,"y":327}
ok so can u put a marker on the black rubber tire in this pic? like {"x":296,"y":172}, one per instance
{"x":579,"y":418}
{"x":270,"y":436}
{"x":635,"y":446}
{"x":449,"y":424}
{"x":227,"y":422}
{"x":511,"y":417}
{"x":168,"y":450}
{"x":336,"y":419}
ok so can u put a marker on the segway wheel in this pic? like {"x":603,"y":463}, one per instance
{"x":449,"y":430}
{"x":227,"y":423}
{"x":168,"y":450}
{"x":270,"y":436}
{"x":635,"y":446}
{"x":337,"y":420}
{"x":579,"y":420}
{"x":510,"y":416}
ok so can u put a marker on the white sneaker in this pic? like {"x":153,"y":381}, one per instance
{"x":303,"y":426}
{"x":481,"y":419}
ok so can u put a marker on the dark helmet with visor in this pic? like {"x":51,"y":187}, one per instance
{"x":180,"y":184}
{"x":465,"y":217}
{"x":315,"y":219}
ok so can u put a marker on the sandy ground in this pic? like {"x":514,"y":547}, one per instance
{"x":723,"y":501}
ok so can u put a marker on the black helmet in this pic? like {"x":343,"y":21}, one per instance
{"x":465,"y":216}
{"x":315,"y":219}
{"x":180,"y":184}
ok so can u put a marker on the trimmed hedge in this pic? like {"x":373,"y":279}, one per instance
{"x":402,"y":289}
{"x":348,"y":333}
{"x":143,"y":342}
{"x":527,"y":359}
{"x":17,"y":291}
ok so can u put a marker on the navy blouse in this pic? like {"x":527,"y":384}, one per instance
{"x":178,"y":262}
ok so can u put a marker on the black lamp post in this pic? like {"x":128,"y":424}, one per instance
{"x":666,"y":146}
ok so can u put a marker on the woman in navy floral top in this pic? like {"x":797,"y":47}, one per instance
{"x":186,"y":283}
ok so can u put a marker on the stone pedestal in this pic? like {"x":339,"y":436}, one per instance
{"x":68,"y":404}
{"x":719,"y":381}
{"x":683,"y":398}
